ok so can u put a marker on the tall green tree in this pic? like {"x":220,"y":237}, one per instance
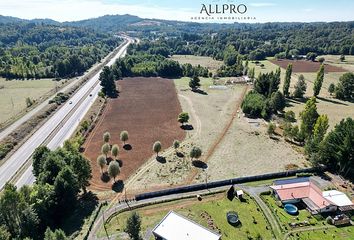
{"x":337,"y":149}
{"x":278,"y":101}
{"x":309,"y":117}
{"x":195,"y":152}
{"x":101,"y":162}
{"x":107,"y":82}
{"x":345,"y":87}
{"x":113,"y":170}
{"x":124,"y":136}
{"x":105,"y":149}
{"x":183,"y":118}
{"x":157,"y":148}
{"x":300,"y":87}
{"x":58,"y":234}
{"x":115,"y":151}
{"x":318,"y":82}
{"x":38,"y":158}
{"x":133,"y":226}
{"x":194,"y":83}
{"x":82,"y":168}
{"x":287,"y":79}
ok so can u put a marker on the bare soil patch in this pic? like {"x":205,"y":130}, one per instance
{"x":306,"y":66}
{"x":147,"y":108}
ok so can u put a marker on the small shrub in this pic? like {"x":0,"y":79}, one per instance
{"x":266,"y":193}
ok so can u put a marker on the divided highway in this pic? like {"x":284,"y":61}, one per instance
{"x":58,"y":128}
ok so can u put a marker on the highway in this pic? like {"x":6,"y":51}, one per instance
{"x":57,"y":128}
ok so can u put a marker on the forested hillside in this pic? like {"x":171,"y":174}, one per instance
{"x":38,"y":50}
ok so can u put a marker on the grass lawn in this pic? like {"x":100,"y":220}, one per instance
{"x":208,"y":62}
{"x":214,"y":207}
{"x":13,"y":95}
{"x":325,"y":234}
{"x":284,"y":218}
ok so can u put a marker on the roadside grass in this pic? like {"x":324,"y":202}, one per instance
{"x":208,"y":62}
{"x":285,"y":219}
{"x":13,"y":95}
{"x":215,"y":207}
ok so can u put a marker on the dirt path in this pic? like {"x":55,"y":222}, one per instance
{"x":215,"y":144}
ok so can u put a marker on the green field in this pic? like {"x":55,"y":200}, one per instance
{"x":208,"y":62}
{"x":342,"y":233}
{"x":253,"y":223}
{"x":13,"y":95}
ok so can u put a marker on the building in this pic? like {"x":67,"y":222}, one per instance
{"x":176,"y":227}
{"x":339,"y":199}
{"x":305,"y":191}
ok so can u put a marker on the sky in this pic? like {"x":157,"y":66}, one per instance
{"x":183,"y":10}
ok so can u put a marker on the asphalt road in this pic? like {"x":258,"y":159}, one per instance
{"x":57,"y":128}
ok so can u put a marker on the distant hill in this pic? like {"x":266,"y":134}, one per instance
{"x":107,"y":22}
{"x":7,"y":19}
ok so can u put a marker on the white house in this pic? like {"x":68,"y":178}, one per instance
{"x":176,"y":227}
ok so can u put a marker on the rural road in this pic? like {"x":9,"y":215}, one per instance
{"x":57,"y":128}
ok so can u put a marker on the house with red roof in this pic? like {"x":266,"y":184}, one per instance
{"x":306,"y":192}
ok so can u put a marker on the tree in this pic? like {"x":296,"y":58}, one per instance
{"x":253,"y":104}
{"x":277,"y":101}
{"x":311,"y":56}
{"x":82,"y":169}
{"x":194,"y":83}
{"x":106,"y":137}
{"x":295,"y":133}
{"x":286,"y":130}
{"x":124,"y":136}
{"x":115,"y":151}
{"x":157,"y":148}
{"x":176,"y":144}
{"x":195,"y":152}
{"x":58,"y":234}
{"x":230,"y":55}
{"x":337,"y":149}
{"x":101,"y":162}
{"x":321,"y":60}
{"x":38,"y":159}
{"x":183,"y":118}
{"x":287,"y":79}
{"x":4,"y":234}
{"x":289,"y":116}
{"x":345,"y":87}
{"x":105,"y":149}
{"x":300,"y":87}
{"x":318,"y":82}
{"x":331,"y":88}
{"x":113,"y":170}
{"x":342,"y":58}
{"x":309,"y":117}
{"x":133,"y":226}
{"x":271,"y":129}
{"x":320,"y":128}
{"x":107,"y":82}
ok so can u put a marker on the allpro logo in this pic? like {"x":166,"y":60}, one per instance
{"x":211,"y":9}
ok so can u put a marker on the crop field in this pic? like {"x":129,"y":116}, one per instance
{"x":13,"y":95}
{"x":210,"y":213}
{"x":208,"y":62}
{"x":147,"y":108}
{"x":306,"y":66}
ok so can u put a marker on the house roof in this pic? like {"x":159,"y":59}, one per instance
{"x":302,"y":190}
{"x":338,"y":198}
{"x":176,"y":227}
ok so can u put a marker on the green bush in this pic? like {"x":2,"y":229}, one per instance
{"x":266,"y":193}
{"x":253,"y":104}
{"x":5,"y":148}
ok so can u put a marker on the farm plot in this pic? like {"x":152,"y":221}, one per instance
{"x":147,"y":108}
{"x":13,"y":95}
{"x":306,"y":66}
{"x":208,"y":62}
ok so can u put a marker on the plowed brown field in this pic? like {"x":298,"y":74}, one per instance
{"x":147,"y":108}
{"x":306,"y":66}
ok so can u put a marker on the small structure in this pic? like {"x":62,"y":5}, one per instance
{"x":339,"y":199}
{"x":176,"y":227}
{"x":239,"y":194}
{"x":232,"y":217}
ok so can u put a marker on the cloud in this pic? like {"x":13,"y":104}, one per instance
{"x":262,"y":4}
{"x":308,"y":10}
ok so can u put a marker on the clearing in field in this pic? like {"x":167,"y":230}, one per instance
{"x":147,"y":108}
{"x":210,"y":213}
{"x":306,"y":66}
{"x":13,"y":95}
{"x":207,"y":62}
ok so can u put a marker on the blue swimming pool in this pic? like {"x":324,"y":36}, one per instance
{"x":291,"y":209}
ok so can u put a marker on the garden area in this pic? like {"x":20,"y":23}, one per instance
{"x":209,"y":212}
